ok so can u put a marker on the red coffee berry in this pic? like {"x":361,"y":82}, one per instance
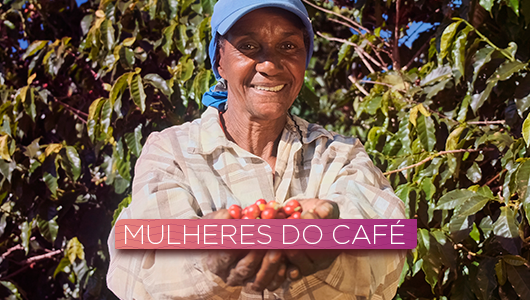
{"x":253,"y":211}
{"x":269,"y":213}
{"x":296,"y":215}
{"x":235,"y":211}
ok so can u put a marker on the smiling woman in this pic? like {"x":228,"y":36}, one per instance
{"x":247,"y":146}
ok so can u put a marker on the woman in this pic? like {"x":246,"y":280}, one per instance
{"x":246,"y":146}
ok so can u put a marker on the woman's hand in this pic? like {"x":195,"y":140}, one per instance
{"x":319,"y":209}
{"x":309,"y":262}
{"x":264,"y":269}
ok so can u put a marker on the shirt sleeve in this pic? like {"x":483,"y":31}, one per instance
{"x":160,"y":274}
{"x":350,"y":179}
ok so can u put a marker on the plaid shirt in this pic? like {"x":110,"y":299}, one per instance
{"x":190,"y":170}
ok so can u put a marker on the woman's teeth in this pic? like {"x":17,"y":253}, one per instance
{"x":270,"y":89}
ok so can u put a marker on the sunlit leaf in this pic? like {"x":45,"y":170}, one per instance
{"x":447,"y":38}
{"x":49,"y":173}
{"x":74,"y":250}
{"x":107,"y":34}
{"x":117,"y":90}
{"x":134,"y":140}
{"x":71,"y":162}
{"x":158,"y":82}
{"x":487,"y":4}
{"x":506,"y":70}
{"x":25,"y":234}
{"x":426,"y":132}
{"x":123,"y":204}
{"x":522,"y":180}
{"x":477,"y":100}
{"x":474,"y":173}
{"x":63,"y":266}
{"x":4,"y":147}
{"x":48,"y":228}
{"x":33,"y":48}
{"x":136,"y":87}
{"x":526,"y":131}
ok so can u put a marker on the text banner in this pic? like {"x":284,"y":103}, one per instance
{"x":266,"y":234}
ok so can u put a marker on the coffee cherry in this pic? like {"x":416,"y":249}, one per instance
{"x":296,"y":215}
{"x":253,"y":211}
{"x":269,"y":213}
{"x":235,"y":211}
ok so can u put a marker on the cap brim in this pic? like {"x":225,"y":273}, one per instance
{"x":234,"y":17}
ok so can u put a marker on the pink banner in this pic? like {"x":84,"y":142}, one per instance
{"x":266,"y":234}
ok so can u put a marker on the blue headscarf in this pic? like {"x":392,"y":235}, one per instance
{"x":225,"y":14}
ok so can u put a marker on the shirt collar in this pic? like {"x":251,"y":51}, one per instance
{"x":206,"y":134}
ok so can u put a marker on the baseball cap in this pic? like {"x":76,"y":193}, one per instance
{"x":227,"y":12}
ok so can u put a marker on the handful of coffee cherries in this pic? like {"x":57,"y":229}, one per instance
{"x":267,"y":210}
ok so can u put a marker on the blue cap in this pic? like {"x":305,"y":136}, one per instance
{"x":227,"y":12}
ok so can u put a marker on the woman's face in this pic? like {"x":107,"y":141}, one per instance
{"x":263,"y":60}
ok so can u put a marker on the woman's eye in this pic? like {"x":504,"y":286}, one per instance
{"x":289,"y":46}
{"x":247,"y":47}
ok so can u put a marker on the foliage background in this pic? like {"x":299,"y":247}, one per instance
{"x":442,"y":110}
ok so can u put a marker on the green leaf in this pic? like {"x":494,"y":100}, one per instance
{"x":447,"y":38}
{"x":506,"y":70}
{"x":74,"y":250}
{"x":459,"y":52}
{"x":514,"y":5}
{"x":454,"y":199}
{"x":500,"y":271}
{"x":201,"y":84}
{"x":136,"y":87}
{"x":185,"y":68}
{"x":133,"y":140}
{"x":127,"y":58}
{"x":472,"y":205}
{"x":477,"y":100}
{"x":27,"y":96}
{"x":3,"y":223}
{"x":34,"y":48}
{"x":71,"y":163}
{"x":94,"y":112}
{"x":522,"y":105}
{"x":168,"y":34}
{"x":123,"y":204}
{"x":519,"y":277}
{"x":158,"y":82}
{"x":48,"y":228}
{"x":505,"y":225}
{"x":4,"y":147}
{"x":49,"y":173}
{"x":487,"y":4}
{"x":426,"y":132}
{"x":526,"y":131}
{"x":117,"y":89}
{"x":485,"y":279}
{"x":25,"y":234}
{"x":474,"y":173}
{"x":13,"y":289}
{"x":207,"y":6}
{"x":481,"y":58}
{"x":438,"y":74}
{"x":522,"y":180}
{"x":514,"y":260}
{"x":106,"y":115}
{"x":63,"y":266}
{"x":107,"y":34}
{"x":454,"y":138}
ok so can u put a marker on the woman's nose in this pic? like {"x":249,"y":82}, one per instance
{"x":269,"y":64}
